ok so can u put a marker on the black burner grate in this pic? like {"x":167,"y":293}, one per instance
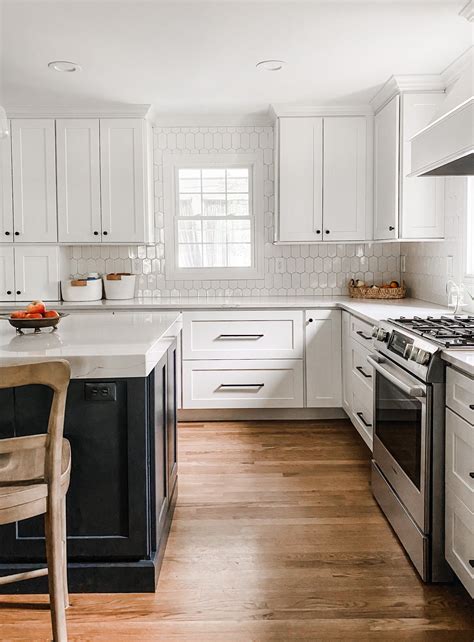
{"x":450,"y":332}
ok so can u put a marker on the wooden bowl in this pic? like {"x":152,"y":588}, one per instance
{"x":34,"y":324}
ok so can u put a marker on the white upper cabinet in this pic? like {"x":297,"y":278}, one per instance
{"x":323,"y":179}
{"x":345,"y":192}
{"x":6,"y":204}
{"x":405,"y":207}
{"x":78,"y":180}
{"x":34,"y":180}
{"x":300,"y":180}
{"x":421,"y":199}
{"x":386,"y":168}
{"x":37,"y":272}
{"x":125,"y":156}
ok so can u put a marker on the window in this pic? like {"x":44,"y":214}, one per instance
{"x":213,"y":208}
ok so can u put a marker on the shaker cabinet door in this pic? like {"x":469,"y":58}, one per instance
{"x":300,"y":179}
{"x":34,"y":180}
{"x":386,"y":170}
{"x":124,"y":194}
{"x":37,"y":272}
{"x":7,"y":274}
{"x":323,"y":358}
{"x":6,"y":202}
{"x":345,"y":204}
{"x":78,"y":180}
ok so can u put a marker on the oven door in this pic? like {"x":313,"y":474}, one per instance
{"x":402,"y":436}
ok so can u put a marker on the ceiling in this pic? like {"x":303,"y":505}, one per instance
{"x":196,"y":58}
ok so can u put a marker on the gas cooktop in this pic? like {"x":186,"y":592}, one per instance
{"x":450,"y":332}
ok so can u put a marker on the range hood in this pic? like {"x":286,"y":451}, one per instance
{"x":446,"y":146}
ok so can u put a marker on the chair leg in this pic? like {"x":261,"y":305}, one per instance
{"x":54,"y":554}
{"x":64,"y":558}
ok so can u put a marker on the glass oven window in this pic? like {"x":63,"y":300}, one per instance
{"x":399,"y":427}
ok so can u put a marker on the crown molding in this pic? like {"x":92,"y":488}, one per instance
{"x":468,"y":11}
{"x":211,"y":120}
{"x":288,"y":110}
{"x":454,"y":71}
{"x":407,"y":83}
{"x":61,"y":111}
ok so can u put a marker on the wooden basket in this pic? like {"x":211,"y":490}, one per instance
{"x":378,"y":293}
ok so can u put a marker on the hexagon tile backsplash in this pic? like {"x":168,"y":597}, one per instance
{"x":289,"y":269}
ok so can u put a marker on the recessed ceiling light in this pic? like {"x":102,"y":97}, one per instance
{"x":64,"y":65}
{"x":271,"y":65}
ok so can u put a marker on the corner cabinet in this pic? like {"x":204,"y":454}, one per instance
{"x":324,"y":179}
{"x":405,"y":207}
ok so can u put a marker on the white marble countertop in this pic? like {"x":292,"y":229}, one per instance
{"x":97,"y":345}
{"x":370,"y":311}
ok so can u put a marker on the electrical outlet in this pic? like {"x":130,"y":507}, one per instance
{"x":449,"y":266}
{"x":100,"y":391}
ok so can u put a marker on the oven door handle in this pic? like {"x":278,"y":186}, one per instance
{"x":396,"y":378}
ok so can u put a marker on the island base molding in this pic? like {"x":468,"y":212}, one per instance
{"x":137,"y":576}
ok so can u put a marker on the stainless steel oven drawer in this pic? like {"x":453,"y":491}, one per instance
{"x":414,"y":542}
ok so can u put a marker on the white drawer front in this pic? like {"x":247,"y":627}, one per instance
{"x":362,"y":410}
{"x":459,"y":546}
{"x":360,"y":368}
{"x":460,"y":458}
{"x":361,"y":331}
{"x":460,"y":394}
{"x":243,"y":335}
{"x":243,"y":384}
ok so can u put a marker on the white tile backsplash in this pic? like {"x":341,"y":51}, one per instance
{"x":289,"y":269}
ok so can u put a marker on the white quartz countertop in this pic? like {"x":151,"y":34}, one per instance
{"x":97,"y":345}
{"x":370,"y":311}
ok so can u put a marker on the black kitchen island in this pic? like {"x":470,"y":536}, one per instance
{"x":124,"y":479}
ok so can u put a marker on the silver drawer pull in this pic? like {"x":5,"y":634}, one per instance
{"x":363,"y":372}
{"x":241,"y":385}
{"x":363,"y":335}
{"x":362,"y":418}
{"x":240,"y":336}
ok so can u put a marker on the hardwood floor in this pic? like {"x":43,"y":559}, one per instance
{"x":276,"y":537}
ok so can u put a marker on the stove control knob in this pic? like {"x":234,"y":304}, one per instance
{"x":375,"y":331}
{"x":423,"y":357}
{"x":413,"y":354}
{"x":380,"y":334}
{"x":408,"y":352}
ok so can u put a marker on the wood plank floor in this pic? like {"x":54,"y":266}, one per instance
{"x":276,"y":537}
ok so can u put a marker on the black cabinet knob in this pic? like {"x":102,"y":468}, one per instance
{"x":310,"y":320}
{"x":18,"y":291}
{"x":471,"y":406}
{"x":318,"y":231}
{"x":391,"y":228}
{"x":7,"y":233}
{"x":327,"y":231}
{"x":9,"y":291}
{"x":105,"y":233}
{"x":17,"y":233}
{"x":96,"y":233}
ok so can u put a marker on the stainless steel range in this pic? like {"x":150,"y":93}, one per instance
{"x":408,"y":446}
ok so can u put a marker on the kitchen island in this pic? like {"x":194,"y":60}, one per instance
{"x":121,"y":423}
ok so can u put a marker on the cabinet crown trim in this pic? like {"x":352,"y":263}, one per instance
{"x":97,"y":111}
{"x":285,"y":110}
{"x":407,"y":83}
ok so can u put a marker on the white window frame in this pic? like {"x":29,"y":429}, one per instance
{"x":171,"y":165}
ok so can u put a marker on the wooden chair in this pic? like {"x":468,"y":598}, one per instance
{"x":34,"y":478}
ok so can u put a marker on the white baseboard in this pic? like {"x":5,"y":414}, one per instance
{"x":255,"y":414}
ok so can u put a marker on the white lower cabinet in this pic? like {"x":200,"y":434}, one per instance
{"x":459,"y":474}
{"x":7,"y":274}
{"x":323,"y":358}
{"x":29,"y":272}
{"x":272,"y":383}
